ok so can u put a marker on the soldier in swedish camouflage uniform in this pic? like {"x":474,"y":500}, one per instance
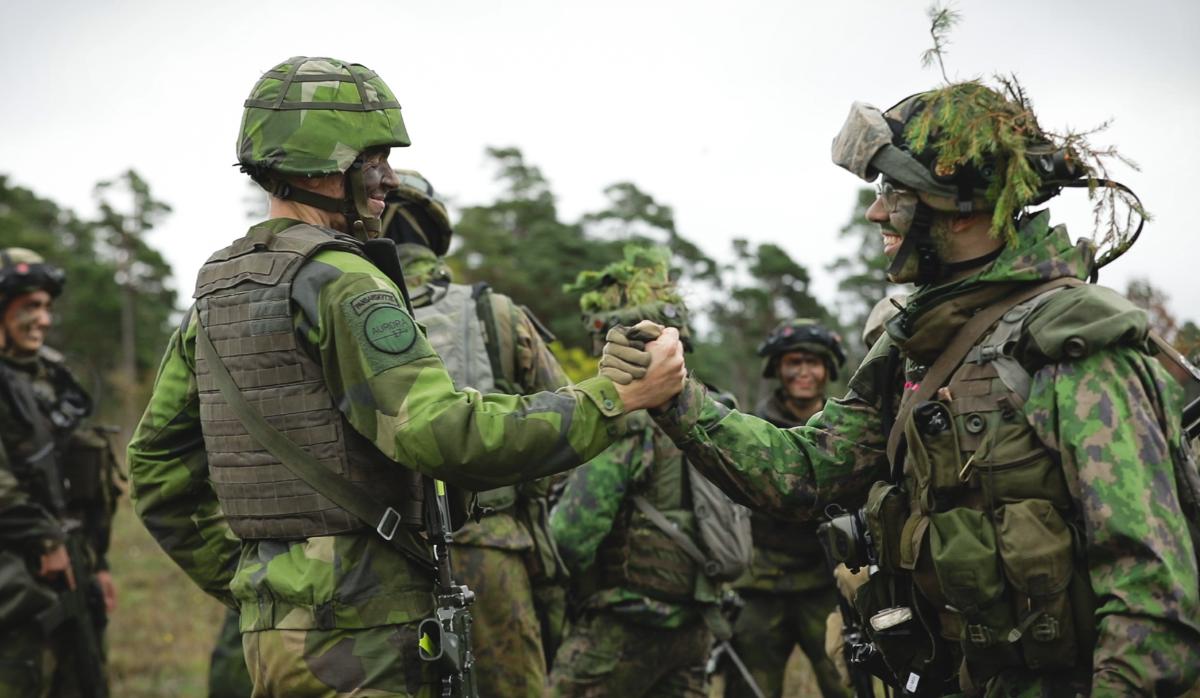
{"x":639,"y":627}
{"x":1029,"y":513}
{"x":57,"y":497}
{"x":300,"y":334}
{"x":788,"y":591}
{"x":491,"y":344}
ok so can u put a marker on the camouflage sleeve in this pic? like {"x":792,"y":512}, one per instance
{"x":584,"y":514}
{"x":23,"y":524}
{"x":1113,"y":416}
{"x":788,"y":473}
{"x":169,"y":471}
{"x":394,"y":390}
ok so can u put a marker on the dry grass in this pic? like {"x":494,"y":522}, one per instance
{"x":162,"y":633}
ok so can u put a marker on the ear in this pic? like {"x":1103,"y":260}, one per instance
{"x":329,"y":185}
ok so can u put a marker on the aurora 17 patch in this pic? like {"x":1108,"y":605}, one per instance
{"x":389,"y":329}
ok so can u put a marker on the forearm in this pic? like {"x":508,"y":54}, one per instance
{"x":789,"y":473}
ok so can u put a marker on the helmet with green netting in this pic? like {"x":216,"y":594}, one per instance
{"x":312,"y":117}
{"x":416,"y":215}
{"x":802,"y":334}
{"x":966,"y":148}
{"x":636,"y":288}
{"x":23,"y":270}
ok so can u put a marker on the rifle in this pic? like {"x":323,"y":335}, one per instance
{"x":445,"y":638}
{"x":731,"y":605}
{"x":1191,"y":419}
{"x":82,"y":607}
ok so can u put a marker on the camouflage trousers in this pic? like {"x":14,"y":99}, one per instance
{"x":505,"y":632}
{"x":333,"y":663}
{"x":33,"y":667}
{"x":227,"y":673}
{"x":605,"y":655}
{"x":769,"y":627}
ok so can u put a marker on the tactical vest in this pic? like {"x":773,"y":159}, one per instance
{"x":983,"y":527}
{"x":243,"y":299}
{"x":636,"y":555}
{"x":460,"y":324}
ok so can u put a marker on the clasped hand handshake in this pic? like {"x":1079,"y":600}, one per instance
{"x":646,"y":364}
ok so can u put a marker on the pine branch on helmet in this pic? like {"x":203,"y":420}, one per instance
{"x":416,"y":215}
{"x":315,"y":117}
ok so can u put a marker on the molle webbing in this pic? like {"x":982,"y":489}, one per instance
{"x":244,"y":302}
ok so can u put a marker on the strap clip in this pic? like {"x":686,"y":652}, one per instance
{"x":394,"y":517}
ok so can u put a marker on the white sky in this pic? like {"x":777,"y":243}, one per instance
{"x":724,"y":110}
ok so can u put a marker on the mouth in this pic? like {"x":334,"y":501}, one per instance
{"x":376,"y":206}
{"x":891,"y":242}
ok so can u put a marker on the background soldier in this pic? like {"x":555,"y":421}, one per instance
{"x":300,"y":358}
{"x":489,"y":344}
{"x":1032,"y":493}
{"x":57,"y":497}
{"x":639,"y":629}
{"x":789,"y":591}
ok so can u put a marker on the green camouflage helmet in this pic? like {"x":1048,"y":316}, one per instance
{"x":23,"y":270}
{"x":802,"y":334}
{"x":315,"y":116}
{"x":415,"y":214}
{"x":636,"y":288}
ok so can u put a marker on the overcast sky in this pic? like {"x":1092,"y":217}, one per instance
{"x":724,"y":110}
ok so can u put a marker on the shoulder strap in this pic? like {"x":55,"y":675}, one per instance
{"x":656,"y":517}
{"x":950,"y":359}
{"x":340,"y":491}
{"x":502,"y":375}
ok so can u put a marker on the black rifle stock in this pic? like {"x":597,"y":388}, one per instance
{"x":80,"y":615}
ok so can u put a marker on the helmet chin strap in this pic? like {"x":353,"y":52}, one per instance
{"x":354,"y":205}
{"x":919,"y":240}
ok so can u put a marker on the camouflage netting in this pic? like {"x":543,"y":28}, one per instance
{"x":639,"y":287}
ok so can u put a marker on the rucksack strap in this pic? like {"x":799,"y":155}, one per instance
{"x":949,"y":360}
{"x":486,"y":312}
{"x":303,"y":465}
{"x":672,"y":531}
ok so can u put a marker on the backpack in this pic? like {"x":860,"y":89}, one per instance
{"x":724,"y":526}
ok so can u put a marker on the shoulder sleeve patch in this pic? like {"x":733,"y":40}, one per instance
{"x":386,"y":334}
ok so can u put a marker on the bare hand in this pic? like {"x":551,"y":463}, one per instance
{"x":663,"y":378}
{"x":56,"y":564}
{"x":108,"y":589}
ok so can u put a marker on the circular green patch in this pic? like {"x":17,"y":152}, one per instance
{"x":389,"y":329}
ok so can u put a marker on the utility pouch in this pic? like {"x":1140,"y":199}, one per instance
{"x":965,"y":557}
{"x":498,"y":499}
{"x":933,"y":449}
{"x":1036,"y":548}
{"x":885,"y":511}
{"x":904,"y":645}
{"x":89,"y":469}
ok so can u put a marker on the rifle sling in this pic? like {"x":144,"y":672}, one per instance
{"x":949,"y":360}
{"x":340,"y":491}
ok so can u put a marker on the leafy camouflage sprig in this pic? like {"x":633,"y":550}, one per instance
{"x":941,"y":20}
{"x":643,"y":276}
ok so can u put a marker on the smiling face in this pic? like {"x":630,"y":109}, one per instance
{"x":378,"y":179}
{"x":25,"y":322}
{"x":803,"y":375}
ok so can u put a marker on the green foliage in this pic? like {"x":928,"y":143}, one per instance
{"x":941,"y":20}
{"x":642,"y":276}
{"x":94,"y":255}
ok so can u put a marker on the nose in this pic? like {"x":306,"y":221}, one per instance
{"x":44,"y":319}
{"x":877,"y":212}
{"x":389,"y":180}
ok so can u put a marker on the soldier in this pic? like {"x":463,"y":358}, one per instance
{"x":490,"y":344}
{"x":789,"y":591}
{"x":300,"y":359}
{"x":57,"y":497}
{"x":1027,"y":487}
{"x":639,"y":628}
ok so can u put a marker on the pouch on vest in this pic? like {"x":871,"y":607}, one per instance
{"x":905,"y":645}
{"x":724,"y":528}
{"x":932,"y":440}
{"x":89,"y":470}
{"x":965,"y":557}
{"x":885,"y":511}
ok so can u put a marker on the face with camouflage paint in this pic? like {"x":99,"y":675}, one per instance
{"x":803,"y":375}
{"x":26,"y":320}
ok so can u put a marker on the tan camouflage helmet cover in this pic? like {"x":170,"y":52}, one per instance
{"x":416,"y":214}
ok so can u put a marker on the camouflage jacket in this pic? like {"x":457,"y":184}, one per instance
{"x":599,"y":494}
{"x":787,"y":556}
{"x":1101,"y":414}
{"x":404,"y":404}
{"x":528,"y":365}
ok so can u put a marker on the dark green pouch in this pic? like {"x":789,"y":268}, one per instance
{"x":886,"y":510}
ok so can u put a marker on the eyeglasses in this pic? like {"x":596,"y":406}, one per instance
{"x":892,"y":196}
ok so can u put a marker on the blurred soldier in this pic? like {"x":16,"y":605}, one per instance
{"x":228,"y":676}
{"x":283,"y":460}
{"x":1010,"y":451}
{"x":490,"y":344}
{"x":639,"y":628}
{"x":57,"y":496}
{"x":789,"y":591}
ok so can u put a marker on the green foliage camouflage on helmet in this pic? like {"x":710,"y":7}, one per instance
{"x":23,"y":270}
{"x":802,"y":334}
{"x":638,"y":287}
{"x":415,"y":214}
{"x":314,"y":116}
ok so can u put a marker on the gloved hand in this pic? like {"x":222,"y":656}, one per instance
{"x":625,"y":358}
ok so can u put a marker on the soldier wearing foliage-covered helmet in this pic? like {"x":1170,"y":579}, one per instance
{"x":300,"y":358}
{"x":1009,"y":457}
